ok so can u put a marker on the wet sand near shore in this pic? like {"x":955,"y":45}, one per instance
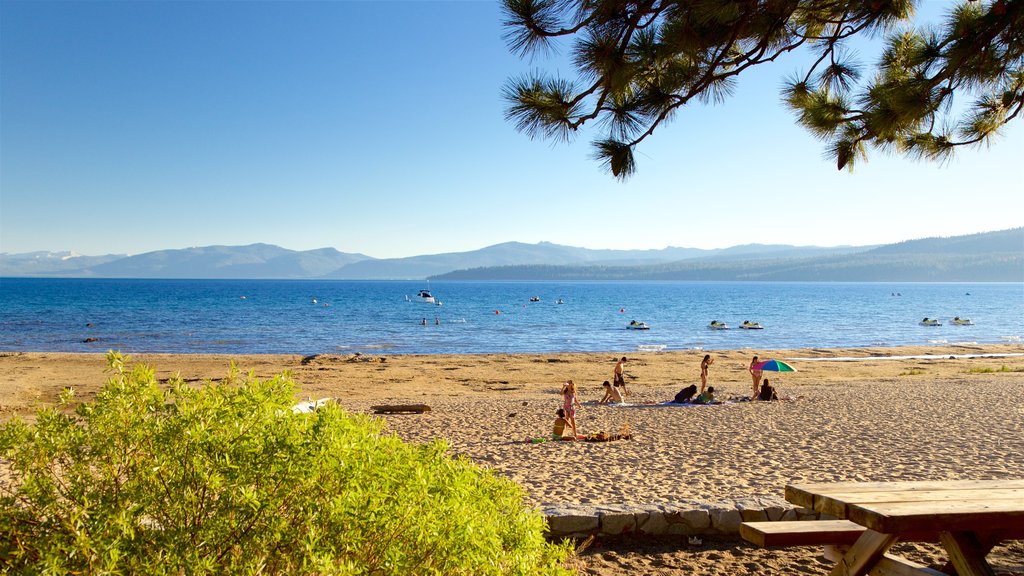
{"x":944,"y":413}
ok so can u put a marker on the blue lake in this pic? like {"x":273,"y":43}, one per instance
{"x":278,"y":316}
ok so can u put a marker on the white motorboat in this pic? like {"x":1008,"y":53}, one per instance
{"x":426,"y":297}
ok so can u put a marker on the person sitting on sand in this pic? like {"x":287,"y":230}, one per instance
{"x":611,"y":394}
{"x":560,"y":423}
{"x":767,"y":392}
{"x":570,"y":404}
{"x":685,"y":395}
{"x":705,"y":397}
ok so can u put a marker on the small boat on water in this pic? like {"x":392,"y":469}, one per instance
{"x":426,"y":297}
{"x":961,"y":321}
{"x":534,"y":298}
{"x":748,"y":325}
{"x":716,"y":325}
{"x":634,"y":325}
{"x":929,"y":322}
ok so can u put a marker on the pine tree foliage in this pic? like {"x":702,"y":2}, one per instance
{"x":638,"y":61}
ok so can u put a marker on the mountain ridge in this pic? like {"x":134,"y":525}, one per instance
{"x":988,"y":256}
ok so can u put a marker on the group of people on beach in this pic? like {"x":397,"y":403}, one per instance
{"x":565,"y":416}
{"x":615,"y":392}
{"x":761,"y":389}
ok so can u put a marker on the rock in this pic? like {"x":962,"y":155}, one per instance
{"x":571,"y":521}
{"x":751,"y":510}
{"x":653,"y":523}
{"x":617,"y":523}
{"x":726,"y":521}
{"x":806,"y":514}
{"x":775,"y":513}
{"x":692,"y":521}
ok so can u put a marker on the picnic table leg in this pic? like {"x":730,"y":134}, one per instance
{"x":864,"y":554}
{"x":966,"y":553}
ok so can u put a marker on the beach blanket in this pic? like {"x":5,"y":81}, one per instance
{"x":592,"y":437}
{"x":671,"y":404}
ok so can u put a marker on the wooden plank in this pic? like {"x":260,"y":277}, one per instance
{"x":400,"y":409}
{"x":889,"y":565}
{"x":967,"y":515}
{"x":835,"y":499}
{"x":838,"y":503}
{"x":820,"y":487}
{"x":801,"y":532}
{"x":987,"y":541}
{"x":864,"y":554}
{"x":924,"y":495}
{"x":803,"y":494}
{"x":966,"y":554}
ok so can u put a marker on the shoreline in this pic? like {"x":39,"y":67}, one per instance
{"x":42,"y":375}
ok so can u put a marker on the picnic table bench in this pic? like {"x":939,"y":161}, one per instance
{"x":968,"y":518}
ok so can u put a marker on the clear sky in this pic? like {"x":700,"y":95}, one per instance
{"x":378,"y":127}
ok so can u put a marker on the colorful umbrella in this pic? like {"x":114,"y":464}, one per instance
{"x":774,"y":366}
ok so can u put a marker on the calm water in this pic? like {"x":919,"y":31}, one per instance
{"x":375,"y":317}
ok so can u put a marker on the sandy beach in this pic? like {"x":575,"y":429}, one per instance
{"x":923,"y":413}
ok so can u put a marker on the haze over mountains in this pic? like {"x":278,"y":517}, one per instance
{"x":991,"y":256}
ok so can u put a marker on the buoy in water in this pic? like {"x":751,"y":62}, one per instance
{"x":622,"y":309}
{"x":497,"y":311}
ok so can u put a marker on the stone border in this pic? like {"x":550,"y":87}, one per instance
{"x":681,"y":518}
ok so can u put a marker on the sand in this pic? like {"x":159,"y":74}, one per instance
{"x":880,"y":417}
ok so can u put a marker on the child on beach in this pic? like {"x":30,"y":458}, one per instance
{"x":560,"y":423}
{"x":617,"y":379}
{"x":756,"y":376}
{"x":611,"y":394}
{"x":570,"y":404}
{"x":704,"y":365}
{"x":706,"y":397}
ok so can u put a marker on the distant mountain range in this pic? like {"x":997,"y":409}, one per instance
{"x":986,"y":257}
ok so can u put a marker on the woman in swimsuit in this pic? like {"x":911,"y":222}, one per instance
{"x":756,"y":376}
{"x":704,"y":364}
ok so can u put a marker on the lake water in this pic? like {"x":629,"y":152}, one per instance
{"x":277,"y":316}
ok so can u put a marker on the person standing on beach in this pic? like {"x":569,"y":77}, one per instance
{"x":756,"y":375}
{"x":570,"y":404}
{"x":617,"y":379}
{"x":704,"y":364}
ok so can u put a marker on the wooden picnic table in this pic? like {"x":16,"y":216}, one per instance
{"x":968,"y":517}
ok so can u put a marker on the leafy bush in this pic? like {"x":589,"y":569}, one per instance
{"x":225,"y":478}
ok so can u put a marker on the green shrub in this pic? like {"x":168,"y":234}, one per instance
{"x":226,"y":479}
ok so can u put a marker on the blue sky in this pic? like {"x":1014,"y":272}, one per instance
{"x":377,"y":127}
